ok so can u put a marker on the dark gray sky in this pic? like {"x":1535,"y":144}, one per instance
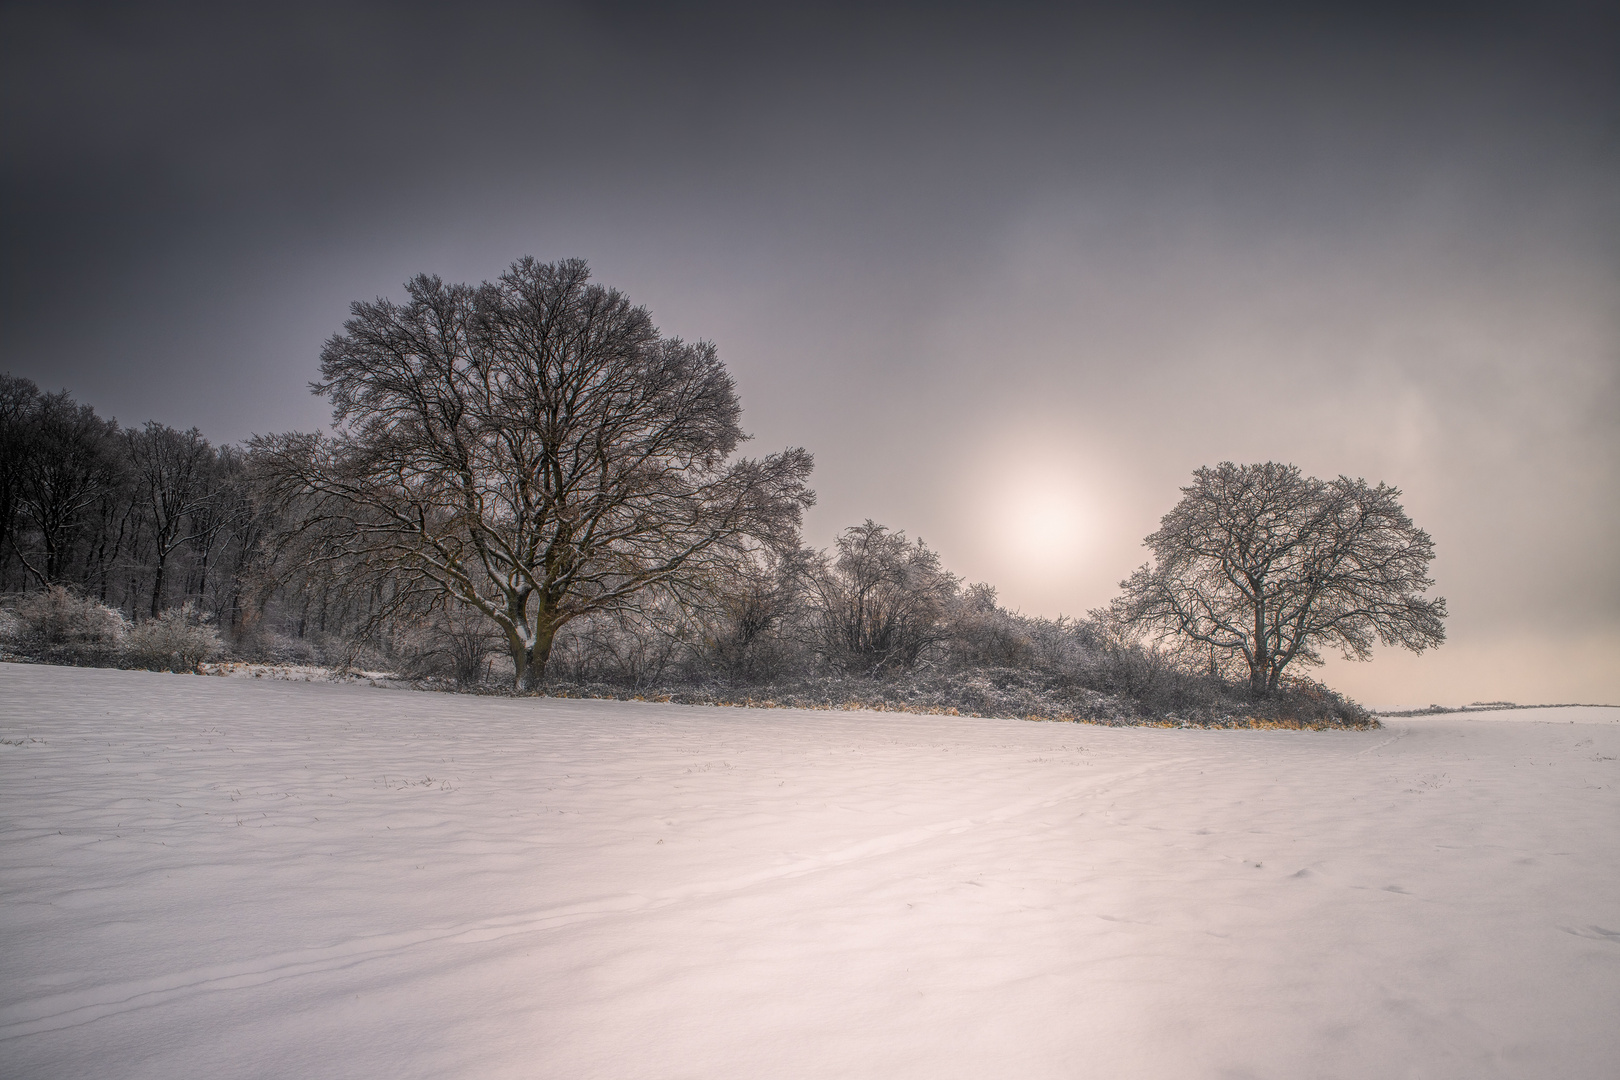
{"x":1011,"y":274}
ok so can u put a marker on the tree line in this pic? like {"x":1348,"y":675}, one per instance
{"x":142,"y":519}
{"x":151,"y":520}
{"x":526,"y":481}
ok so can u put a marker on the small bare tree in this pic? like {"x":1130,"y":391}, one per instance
{"x":532,"y":448}
{"x":448,"y":640}
{"x":750,"y":615}
{"x":1261,"y":563}
{"x":883,"y":600}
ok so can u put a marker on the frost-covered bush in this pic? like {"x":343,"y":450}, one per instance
{"x":59,"y":626}
{"x":270,"y":647}
{"x":634,"y":649}
{"x":884,"y":602}
{"x":177,"y":640}
{"x":454,"y":645}
{"x":1012,"y":693}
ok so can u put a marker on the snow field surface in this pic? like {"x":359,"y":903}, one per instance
{"x":245,"y":878}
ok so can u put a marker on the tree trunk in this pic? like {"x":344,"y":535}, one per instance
{"x":1259,"y":657}
{"x":530,"y":659}
{"x":53,"y":556}
{"x":157,"y":582}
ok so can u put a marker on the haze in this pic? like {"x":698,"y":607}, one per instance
{"x":1011,"y":275}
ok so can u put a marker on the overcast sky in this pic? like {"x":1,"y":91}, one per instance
{"x":1011,"y":275}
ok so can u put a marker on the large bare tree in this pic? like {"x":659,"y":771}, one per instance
{"x":176,"y":474}
{"x":65,"y":462}
{"x":532,"y":448}
{"x":1261,"y":565}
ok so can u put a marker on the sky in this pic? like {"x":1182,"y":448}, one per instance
{"x":1010,"y":273}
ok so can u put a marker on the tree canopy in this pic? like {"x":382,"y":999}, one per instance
{"x":533,"y":448}
{"x":1260,"y":566}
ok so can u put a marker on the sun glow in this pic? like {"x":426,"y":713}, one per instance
{"x":1044,"y":526}
{"x":1040,"y":519}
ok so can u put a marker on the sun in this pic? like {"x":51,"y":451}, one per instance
{"x":1042,"y":521}
{"x":1039,"y":510}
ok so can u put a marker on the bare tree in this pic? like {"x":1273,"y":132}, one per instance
{"x":883,"y":600}
{"x":222,"y":510}
{"x":1263,"y":563}
{"x":532,"y":448}
{"x":244,"y":579}
{"x":19,"y":401}
{"x":66,"y":466}
{"x":174,"y":469}
{"x":750,"y":613}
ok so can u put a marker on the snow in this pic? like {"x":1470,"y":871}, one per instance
{"x":1541,"y":714}
{"x":236,"y":877}
{"x":238,"y":669}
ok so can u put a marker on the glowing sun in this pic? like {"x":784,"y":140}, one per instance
{"x":1041,"y":520}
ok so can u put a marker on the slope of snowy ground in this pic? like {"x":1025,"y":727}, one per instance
{"x":229,"y":878}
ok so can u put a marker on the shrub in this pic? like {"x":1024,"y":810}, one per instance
{"x":633,"y":648}
{"x":455,"y":646}
{"x":267,"y":646}
{"x":59,"y":626}
{"x":884,"y":601}
{"x":177,"y":640}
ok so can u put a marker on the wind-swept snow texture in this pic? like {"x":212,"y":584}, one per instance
{"x":224,"y":878}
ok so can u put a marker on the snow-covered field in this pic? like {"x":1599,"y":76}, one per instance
{"x":204,"y":877}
